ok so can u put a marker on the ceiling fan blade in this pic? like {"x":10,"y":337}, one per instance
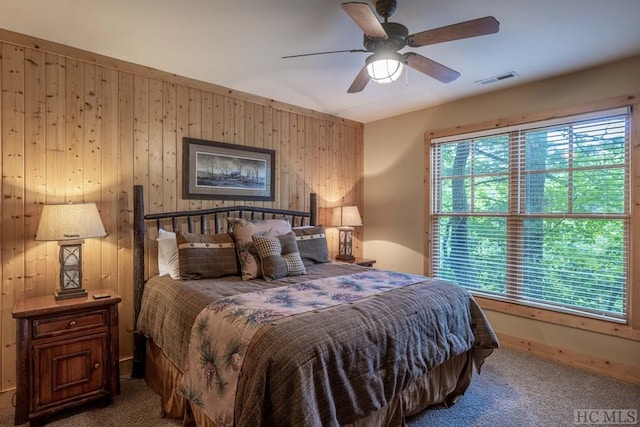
{"x":360,"y":82}
{"x":324,"y":53}
{"x":431,"y":68}
{"x":364,"y":17}
{"x":462,"y":30}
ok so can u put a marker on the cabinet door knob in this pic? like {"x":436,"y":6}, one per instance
{"x":72,"y":323}
{"x":96,"y":366}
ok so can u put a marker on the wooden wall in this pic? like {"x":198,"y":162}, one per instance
{"x":76,"y":126}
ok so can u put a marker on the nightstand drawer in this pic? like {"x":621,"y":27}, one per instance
{"x":57,"y":325}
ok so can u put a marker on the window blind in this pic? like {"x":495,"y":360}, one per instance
{"x":537,"y":214}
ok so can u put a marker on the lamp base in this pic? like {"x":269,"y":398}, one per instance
{"x":345,"y":237}
{"x":70,"y":270}
{"x":70,"y":293}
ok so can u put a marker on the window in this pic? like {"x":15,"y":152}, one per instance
{"x":537,"y":213}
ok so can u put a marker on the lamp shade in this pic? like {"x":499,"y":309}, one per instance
{"x":346,"y":216}
{"x":385,"y":67}
{"x":70,"y":221}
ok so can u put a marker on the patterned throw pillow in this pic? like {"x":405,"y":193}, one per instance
{"x":206,"y":255}
{"x":243,"y":231}
{"x":312,"y":243}
{"x":279,"y":256}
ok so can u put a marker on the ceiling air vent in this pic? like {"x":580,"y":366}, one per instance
{"x":497,"y":78}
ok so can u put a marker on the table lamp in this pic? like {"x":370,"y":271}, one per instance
{"x":345,"y":218}
{"x":70,"y":224}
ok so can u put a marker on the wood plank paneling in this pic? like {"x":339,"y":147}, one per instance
{"x":94,"y":58}
{"x":109,"y":189}
{"x":169,"y":146}
{"x":258,"y":131}
{"x":284,"y":173}
{"x":125,"y":208}
{"x":55,"y":142}
{"x":141,"y":144}
{"x":154,"y":203}
{"x":91,"y":167}
{"x":267,"y":117}
{"x":308,"y":160}
{"x":35,"y":169}
{"x":74,"y":135}
{"x":12,"y":228}
{"x":208,"y":122}
{"x":276,"y":144}
{"x":189,"y":123}
{"x":81,"y":127}
{"x":299,"y":193}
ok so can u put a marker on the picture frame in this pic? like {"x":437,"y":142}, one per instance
{"x":222,"y":171}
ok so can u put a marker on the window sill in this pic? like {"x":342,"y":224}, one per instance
{"x":563,"y":319}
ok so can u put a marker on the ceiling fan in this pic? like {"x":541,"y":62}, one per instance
{"x":385,"y":39}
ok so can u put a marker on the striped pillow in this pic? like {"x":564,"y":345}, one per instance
{"x":312,"y":242}
{"x":206,"y":255}
{"x":279,"y":256}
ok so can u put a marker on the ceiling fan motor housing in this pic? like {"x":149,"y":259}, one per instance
{"x":386,"y":8}
{"x":396,"y":38}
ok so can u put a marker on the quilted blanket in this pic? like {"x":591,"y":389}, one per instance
{"x":224,"y":329}
{"x":170,"y":307}
{"x":294,"y":357}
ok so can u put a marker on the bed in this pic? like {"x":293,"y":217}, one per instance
{"x":317,"y":343}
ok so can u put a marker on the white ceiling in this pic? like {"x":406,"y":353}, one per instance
{"x":239,"y":44}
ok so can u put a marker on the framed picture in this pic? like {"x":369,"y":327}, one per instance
{"x":217,"y":170}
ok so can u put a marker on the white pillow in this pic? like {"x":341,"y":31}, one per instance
{"x":168,"y":261}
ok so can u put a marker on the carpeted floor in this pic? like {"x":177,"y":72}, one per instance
{"x":517,"y":389}
{"x":513,"y":389}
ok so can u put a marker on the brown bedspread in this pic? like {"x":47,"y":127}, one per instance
{"x":354,"y":358}
{"x":349,"y":361}
{"x":169,"y":307}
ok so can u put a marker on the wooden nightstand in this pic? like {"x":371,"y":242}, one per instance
{"x":66,"y":353}
{"x":360,"y":261}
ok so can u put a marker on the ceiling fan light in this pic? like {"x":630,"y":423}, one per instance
{"x":385,"y":69}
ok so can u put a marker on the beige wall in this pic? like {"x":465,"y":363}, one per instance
{"x":394,"y":174}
